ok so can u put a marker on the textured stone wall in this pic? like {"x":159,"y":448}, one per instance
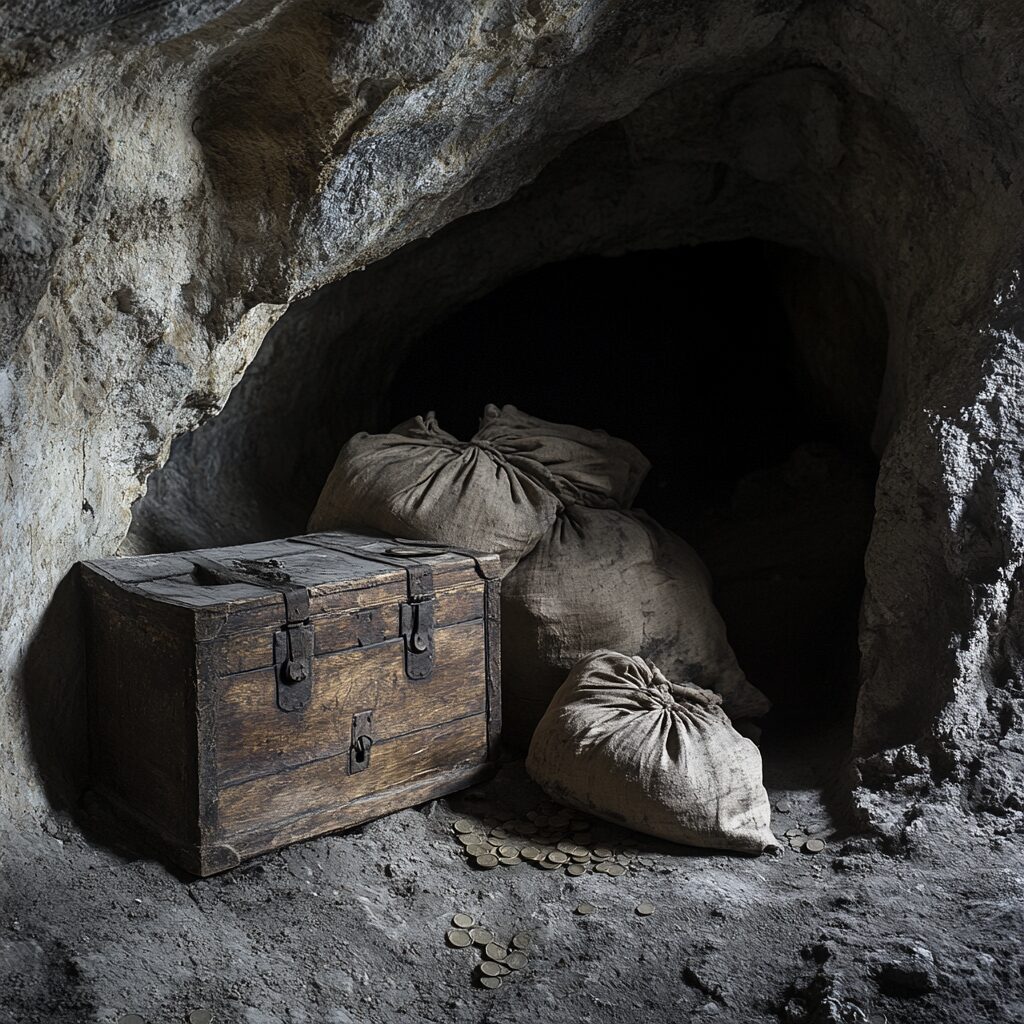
{"x":173,"y":179}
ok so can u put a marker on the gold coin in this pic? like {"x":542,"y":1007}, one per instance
{"x":530,"y":853}
{"x":481,"y":936}
{"x":601,"y":853}
{"x":576,"y":870}
{"x":462,"y":921}
{"x":602,"y":867}
{"x":509,"y":861}
{"x":585,"y":909}
{"x":516,"y":960}
{"x":558,"y":858}
{"x":566,"y":847}
{"x":615,"y":870}
{"x":202,"y":1016}
{"x":486,"y":860}
{"x":791,"y":832}
{"x":814,"y":846}
{"x":548,"y":865}
{"x":490,"y":970}
{"x":464,"y":825}
{"x":477,"y":850}
{"x":521,"y":940}
{"x":508,"y":850}
{"x":495,"y":951}
{"x":459,"y":937}
{"x":581,"y":858}
{"x":645,"y":909}
{"x":490,"y":982}
{"x":470,"y":839}
{"x":797,"y":841}
{"x":498,"y":833}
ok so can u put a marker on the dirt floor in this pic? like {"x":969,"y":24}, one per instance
{"x":351,"y":927}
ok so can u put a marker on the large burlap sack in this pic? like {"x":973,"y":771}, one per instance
{"x":420,"y":482}
{"x":611,"y":579}
{"x":499,"y":492}
{"x":622,"y":742}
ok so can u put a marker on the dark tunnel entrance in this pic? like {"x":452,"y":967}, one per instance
{"x":748,"y":373}
{"x":756,"y":422}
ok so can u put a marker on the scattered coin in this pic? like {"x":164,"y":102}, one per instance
{"x":459,"y":937}
{"x":558,"y":857}
{"x":499,"y":833}
{"x":481,"y":936}
{"x":576,"y":870}
{"x":797,"y":841}
{"x":645,"y":909}
{"x":601,"y":853}
{"x":567,"y":847}
{"x":509,"y":861}
{"x":615,"y":870}
{"x":508,"y":850}
{"x":585,"y":908}
{"x":202,"y":1016}
{"x":495,"y":951}
{"x":549,"y":865}
{"x":516,"y":961}
{"x":464,"y":825}
{"x":791,"y":832}
{"x":489,"y":969}
{"x":488,"y":982}
{"x":784,"y":807}
{"x":530,"y":853}
{"x":814,"y":846}
{"x":486,"y":860}
{"x":521,"y":940}
{"x":602,"y":867}
{"x":462,"y":921}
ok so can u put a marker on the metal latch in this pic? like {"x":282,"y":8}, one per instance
{"x":362,"y":742}
{"x":293,"y":664}
{"x":417,"y":621}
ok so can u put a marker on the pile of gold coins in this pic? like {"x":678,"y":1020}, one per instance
{"x":500,"y":959}
{"x":550,"y":837}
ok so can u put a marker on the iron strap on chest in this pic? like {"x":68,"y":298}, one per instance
{"x":293,"y":644}
{"x":417,"y":614}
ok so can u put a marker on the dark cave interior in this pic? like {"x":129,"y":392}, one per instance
{"x":747,"y":372}
{"x":689,"y":353}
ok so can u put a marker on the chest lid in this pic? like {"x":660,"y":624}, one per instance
{"x":295,"y":578}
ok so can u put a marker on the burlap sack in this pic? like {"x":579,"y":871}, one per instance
{"x":499,"y":492}
{"x":422,"y":483}
{"x":585,"y":465}
{"x":622,"y":742}
{"x":606,"y":578}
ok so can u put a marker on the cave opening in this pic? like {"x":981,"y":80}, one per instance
{"x":755,"y":415}
{"x":747,"y":372}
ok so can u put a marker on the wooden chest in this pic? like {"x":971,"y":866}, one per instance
{"x":241,"y":698}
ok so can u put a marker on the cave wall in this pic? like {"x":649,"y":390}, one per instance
{"x":174,"y":178}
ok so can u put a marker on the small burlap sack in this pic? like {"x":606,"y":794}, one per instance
{"x":622,"y":742}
